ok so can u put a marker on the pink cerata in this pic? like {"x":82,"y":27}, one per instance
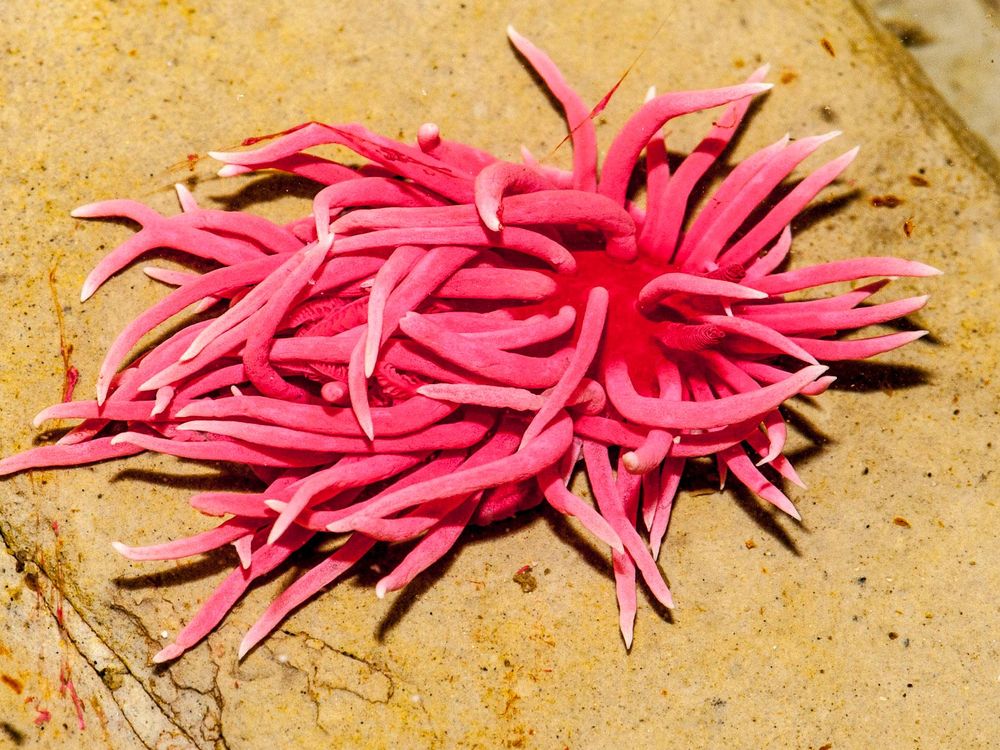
{"x":446,"y":336}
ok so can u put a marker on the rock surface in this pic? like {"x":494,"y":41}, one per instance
{"x":870,"y":624}
{"x":957,"y":43}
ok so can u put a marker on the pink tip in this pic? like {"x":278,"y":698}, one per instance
{"x":192,"y":351}
{"x":232,"y":170}
{"x":366,"y":424}
{"x":280,"y":527}
{"x":333,"y":391}
{"x":242,"y":546}
{"x":185,"y":198}
{"x":428,"y":136}
{"x":627,"y":637}
{"x":88,"y":211}
{"x":170,"y":653}
{"x":89,"y":287}
{"x":246,"y":644}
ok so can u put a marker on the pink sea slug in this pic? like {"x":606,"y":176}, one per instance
{"x":447,"y":335}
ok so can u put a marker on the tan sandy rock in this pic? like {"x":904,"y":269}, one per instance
{"x":871,"y":624}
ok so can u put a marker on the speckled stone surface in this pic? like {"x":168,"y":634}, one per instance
{"x":871,"y":624}
{"x":957,"y":42}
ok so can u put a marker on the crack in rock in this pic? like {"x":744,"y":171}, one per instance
{"x":183,"y":690}
{"x":114,"y":702}
{"x":320,"y":694}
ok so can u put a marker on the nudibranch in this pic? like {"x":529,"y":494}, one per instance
{"x":447,"y":335}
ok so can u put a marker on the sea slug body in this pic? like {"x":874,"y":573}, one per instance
{"x":447,"y":335}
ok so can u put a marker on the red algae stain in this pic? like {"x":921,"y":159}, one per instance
{"x":42,"y":715}
{"x":71,"y":375}
{"x":255,"y":139}
{"x":69,"y":383}
{"x":67,"y":688}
